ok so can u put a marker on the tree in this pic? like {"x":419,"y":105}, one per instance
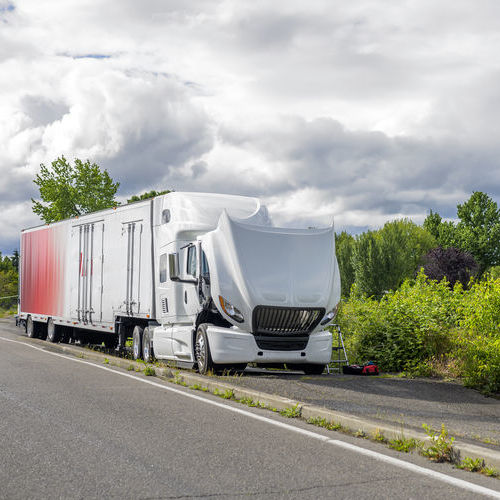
{"x":383,"y":259}
{"x":146,"y":195}
{"x":368,"y":264}
{"x":450,"y":263}
{"x":477,"y":231}
{"x":69,"y":190}
{"x":344,"y":245}
{"x":15,"y":260}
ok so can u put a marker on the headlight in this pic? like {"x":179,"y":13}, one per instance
{"x":230,"y":310}
{"x":330,"y":315}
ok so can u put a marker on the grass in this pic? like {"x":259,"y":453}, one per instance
{"x":403,"y":444}
{"x":106,"y":361}
{"x":5,"y":313}
{"x":149,"y":371}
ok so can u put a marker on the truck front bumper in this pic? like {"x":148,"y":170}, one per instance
{"x":230,"y":345}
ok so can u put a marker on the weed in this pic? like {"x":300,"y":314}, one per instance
{"x":477,"y":465}
{"x":293,"y":412}
{"x":379,"y":437}
{"x":490,"y":471}
{"x":360,"y":433}
{"x":196,"y":387}
{"x":149,"y":371}
{"x":227,"y":394}
{"x":471,"y":464}
{"x":252,"y":403}
{"x":178,"y":379}
{"x":403,"y":444}
{"x":130,"y":368}
{"x":247,"y":401}
{"x":106,"y":361}
{"x":441,"y":449}
{"x":322,"y":422}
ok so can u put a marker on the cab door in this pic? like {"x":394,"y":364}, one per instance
{"x":191,"y":295}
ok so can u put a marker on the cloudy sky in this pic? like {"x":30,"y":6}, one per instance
{"x":363,"y":110}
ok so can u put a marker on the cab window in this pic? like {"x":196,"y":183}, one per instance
{"x":163,"y":268}
{"x":191,"y":261}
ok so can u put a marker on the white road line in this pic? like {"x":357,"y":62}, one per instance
{"x":459,"y":483}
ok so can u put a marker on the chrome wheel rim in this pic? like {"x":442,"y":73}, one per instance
{"x":136,"y":348}
{"x":145,"y":347}
{"x":50,"y":331}
{"x":30,"y":328}
{"x":200,"y":350}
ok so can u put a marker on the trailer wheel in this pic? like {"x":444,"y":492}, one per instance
{"x":137,"y":339}
{"x":53,"y":331}
{"x":202,"y":350}
{"x":147,"y":346}
{"x":31,"y":329}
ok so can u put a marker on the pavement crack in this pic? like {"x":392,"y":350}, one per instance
{"x":274,"y":492}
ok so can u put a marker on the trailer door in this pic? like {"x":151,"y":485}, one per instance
{"x":86,"y":290}
{"x":133,"y":231}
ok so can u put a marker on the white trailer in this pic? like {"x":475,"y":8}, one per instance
{"x":197,"y":279}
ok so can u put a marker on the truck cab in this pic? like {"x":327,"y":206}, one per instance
{"x":231,"y":289}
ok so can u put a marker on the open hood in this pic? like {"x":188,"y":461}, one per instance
{"x":254,"y":265}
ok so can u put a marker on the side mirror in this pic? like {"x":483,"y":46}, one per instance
{"x":173,"y":266}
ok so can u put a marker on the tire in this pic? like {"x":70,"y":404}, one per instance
{"x":308,"y":368}
{"x":202,"y":353}
{"x":53,"y":332}
{"x":137,"y":342}
{"x":148,"y":354}
{"x":31,"y":329}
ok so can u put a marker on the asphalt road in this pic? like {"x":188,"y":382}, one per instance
{"x":72,"y":429}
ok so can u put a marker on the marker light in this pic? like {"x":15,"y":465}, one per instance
{"x":230,"y":310}
{"x":330,"y":315}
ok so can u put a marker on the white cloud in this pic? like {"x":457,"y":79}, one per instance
{"x":368,"y":109}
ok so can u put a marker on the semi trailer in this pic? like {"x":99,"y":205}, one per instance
{"x":201,"y":280}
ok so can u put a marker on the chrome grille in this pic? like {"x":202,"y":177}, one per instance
{"x":271,"y":320}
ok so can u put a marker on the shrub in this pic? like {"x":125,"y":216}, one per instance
{"x":428,"y":328}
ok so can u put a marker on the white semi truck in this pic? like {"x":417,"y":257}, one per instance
{"x":198,"y":279}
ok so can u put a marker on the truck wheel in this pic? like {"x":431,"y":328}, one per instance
{"x":147,"y":346}
{"x":137,"y":342}
{"x":53,"y":331}
{"x":202,"y":350}
{"x":31,"y":329}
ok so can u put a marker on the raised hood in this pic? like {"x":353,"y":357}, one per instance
{"x":254,"y":265}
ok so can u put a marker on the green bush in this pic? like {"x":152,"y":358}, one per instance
{"x":426,"y":328}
